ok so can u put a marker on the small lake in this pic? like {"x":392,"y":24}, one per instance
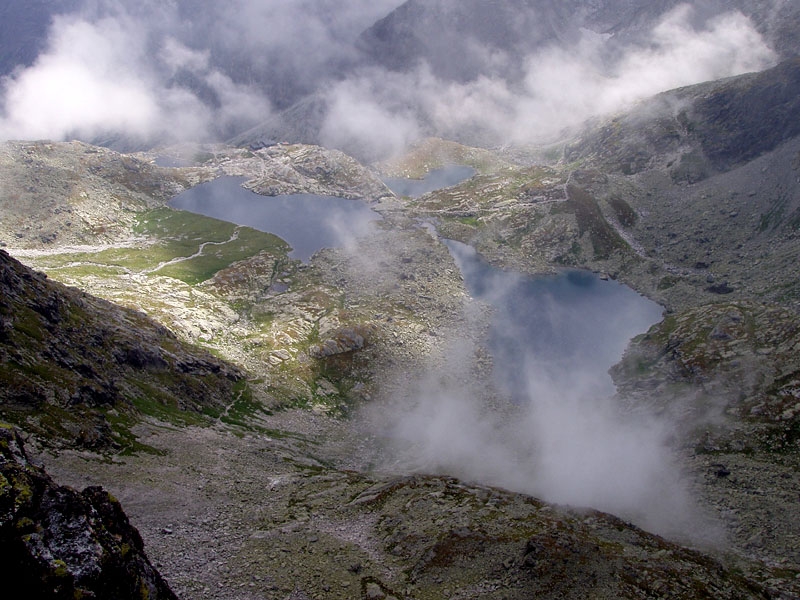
{"x":434,"y":180}
{"x":306,"y":221}
{"x":566,"y":325}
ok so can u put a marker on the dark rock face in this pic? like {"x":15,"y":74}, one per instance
{"x":56,"y":542}
{"x":446,"y":33}
{"x":450,"y":35}
{"x":23,"y":28}
{"x":342,"y":341}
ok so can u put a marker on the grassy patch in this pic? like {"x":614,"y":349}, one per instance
{"x":215,"y":257}
{"x":471,"y":221}
{"x":244,"y":408}
{"x":173,"y":234}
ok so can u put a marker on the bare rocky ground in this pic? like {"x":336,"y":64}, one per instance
{"x":243,"y":516}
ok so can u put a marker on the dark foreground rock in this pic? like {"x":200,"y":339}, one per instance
{"x":56,"y":542}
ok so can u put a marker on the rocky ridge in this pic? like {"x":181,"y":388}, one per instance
{"x":289,"y":526}
{"x":716,"y":248}
{"x":283,"y":169}
{"x":76,"y":369}
{"x":76,"y":194}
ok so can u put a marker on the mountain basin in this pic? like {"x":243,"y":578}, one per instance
{"x":570,"y":327}
{"x":306,"y":221}
{"x":436,"y":179}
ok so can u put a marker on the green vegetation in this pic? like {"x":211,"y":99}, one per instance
{"x":471,"y":221}
{"x":243,"y":408}
{"x":179,"y":244}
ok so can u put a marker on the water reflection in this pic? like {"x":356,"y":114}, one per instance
{"x":306,"y":221}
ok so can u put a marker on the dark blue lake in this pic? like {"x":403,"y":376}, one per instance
{"x":307,"y":222}
{"x":568,"y":326}
{"x":434,"y":180}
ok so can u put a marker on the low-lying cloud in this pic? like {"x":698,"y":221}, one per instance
{"x":103,"y":78}
{"x":152,"y":72}
{"x":561,"y":88}
{"x":179,"y":72}
{"x":545,"y":421}
{"x":565,"y":439}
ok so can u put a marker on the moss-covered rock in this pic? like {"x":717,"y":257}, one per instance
{"x":78,"y":371}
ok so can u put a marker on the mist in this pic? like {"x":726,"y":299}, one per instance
{"x":545,"y":421}
{"x":561,"y":87}
{"x":148,"y":73}
{"x":152,"y":72}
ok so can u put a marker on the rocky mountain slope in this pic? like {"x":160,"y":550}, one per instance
{"x":691,"y":199}
{"x":461,"y":41}
{"x":74,"y":193}
{"x":338,"y":533}
{"x":253,"y":505}
{"x":265,"y":490}
{"x":288,"y":526}
{"x":78,"y":371}
{"x":492,"y":45}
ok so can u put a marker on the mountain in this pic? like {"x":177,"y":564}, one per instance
{"x":255,"y":77}
{"x":463,"y":40}
{"x":701,"y":130}
{"x":258,"y":498}
{"x":728,"y":151}
{"x":242,"y":405}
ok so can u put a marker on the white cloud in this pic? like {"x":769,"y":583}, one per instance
{"x":86,"y":83}
{"x":100,"y":77}
{"x":562,"y":87}
{"x":361,"y":120}
{"x":131,"y":70}
{"x":178,"y":56}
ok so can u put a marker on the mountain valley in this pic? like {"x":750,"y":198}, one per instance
{"x":238,"y":419}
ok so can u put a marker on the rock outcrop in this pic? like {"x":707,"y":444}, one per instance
{"x":304,"y":169}
{"x":74,"y":193}
{"x":57,"y":543}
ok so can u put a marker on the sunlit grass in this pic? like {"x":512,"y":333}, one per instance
{"x":170,"y":235}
